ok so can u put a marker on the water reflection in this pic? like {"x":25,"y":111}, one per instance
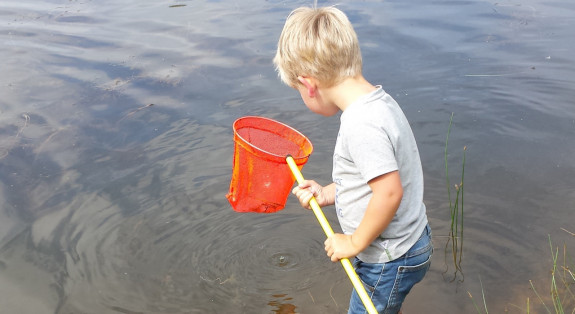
{"x":112,"y":205}
{"x":280,"y":307}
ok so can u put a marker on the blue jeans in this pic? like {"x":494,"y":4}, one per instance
{"x":388,"y":283}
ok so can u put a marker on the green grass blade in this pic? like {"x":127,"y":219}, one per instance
{"x":483,"y":296}
{"x":461,"y":187}
{"x":474,"y":304}
{"x":539,"y":297}
{"x":445,"y":156}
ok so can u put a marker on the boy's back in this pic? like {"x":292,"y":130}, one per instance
{"x":375,"y":138}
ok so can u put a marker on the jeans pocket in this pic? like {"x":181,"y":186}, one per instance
{"x":415,"y":268}
{"x":407,"y":276}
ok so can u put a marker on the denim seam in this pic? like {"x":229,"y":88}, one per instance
{"x":376,"y":284}
{"x":393,"y":294}
{"x":419,"y":251}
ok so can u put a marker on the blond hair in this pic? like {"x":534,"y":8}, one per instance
{"x":318,"y":42}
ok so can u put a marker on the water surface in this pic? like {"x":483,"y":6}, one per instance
{"x":116,"y":152}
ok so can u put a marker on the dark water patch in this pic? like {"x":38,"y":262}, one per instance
{"x":78,"y":19}
{"x":63,"y":40}
{"x":13,"y":35}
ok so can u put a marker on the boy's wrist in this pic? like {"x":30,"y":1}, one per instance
{"x":329,"y":193}
{"x":357,"y":243}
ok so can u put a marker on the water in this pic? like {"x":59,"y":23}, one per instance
{"x":116,"y":152}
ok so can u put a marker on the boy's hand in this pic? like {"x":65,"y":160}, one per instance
{"x":309,"y":189}
{"x":340,"y":246}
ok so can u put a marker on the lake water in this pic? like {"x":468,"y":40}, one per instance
{"x":116,"y":150}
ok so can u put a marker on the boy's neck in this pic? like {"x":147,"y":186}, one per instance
{"x":346,"y":92}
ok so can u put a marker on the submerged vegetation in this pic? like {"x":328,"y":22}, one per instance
{"x":561,"y":294}
{"x":559,"y":299}
{"x":455,"y":237}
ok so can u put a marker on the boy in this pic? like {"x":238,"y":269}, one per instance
{"x":377,"y":184}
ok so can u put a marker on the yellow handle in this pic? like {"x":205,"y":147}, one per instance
{"x":329,"y":232}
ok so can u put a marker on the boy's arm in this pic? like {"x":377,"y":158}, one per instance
{"x":387,"y":194}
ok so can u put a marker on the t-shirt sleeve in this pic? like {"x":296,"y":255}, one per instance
{"x":371,"y":149}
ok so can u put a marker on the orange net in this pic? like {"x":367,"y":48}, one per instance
{"x":261,"y":179}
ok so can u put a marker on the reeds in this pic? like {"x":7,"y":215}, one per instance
{"x":562,"y":297}
{"x":482,"y":296}
{"x":562,"y":284}
{"x":456,"y":213}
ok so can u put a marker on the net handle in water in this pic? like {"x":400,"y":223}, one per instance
{"x":329,"y":232}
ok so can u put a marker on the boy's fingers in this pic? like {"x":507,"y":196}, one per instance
{"x":327,"y":243}
{"x":307,"y":184}
{"x":299,"y":192}
{"x":330,"y":250}
{"x":308,"y":199}
{"x":311,"y":189}
{"x":304,"y":196}
{"x":332,"y":256}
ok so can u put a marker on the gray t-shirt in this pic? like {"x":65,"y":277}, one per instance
{"x":374,"y":139}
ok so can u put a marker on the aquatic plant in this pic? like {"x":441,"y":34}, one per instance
{"x":561,"y":296}
{"x":482,"y":296}
{"x":456,"y":213}
{"x":561,"y":288}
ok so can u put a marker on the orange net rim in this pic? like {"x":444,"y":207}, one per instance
{"x":299,"y":159}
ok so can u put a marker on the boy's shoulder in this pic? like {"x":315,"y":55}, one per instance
{"x":377,"y":110}
{"x":373,"y":105}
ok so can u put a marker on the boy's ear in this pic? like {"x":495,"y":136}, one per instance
{"x":309,"y":84}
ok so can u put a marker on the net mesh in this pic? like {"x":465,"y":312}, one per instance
{"x":261,"y":179}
